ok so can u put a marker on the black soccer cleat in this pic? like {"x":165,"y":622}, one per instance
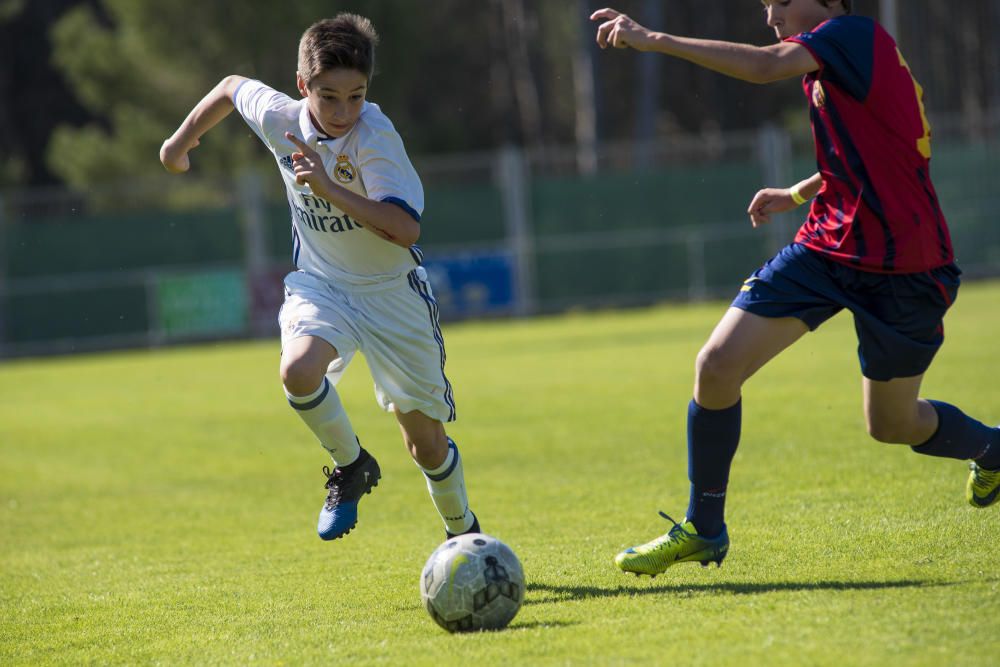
{"x":340,"y":511}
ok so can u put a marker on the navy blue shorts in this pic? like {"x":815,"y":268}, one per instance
{"x":898,"y":317}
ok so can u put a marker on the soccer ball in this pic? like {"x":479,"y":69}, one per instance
{"x":472,"y":582}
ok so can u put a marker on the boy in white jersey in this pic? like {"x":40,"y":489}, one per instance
{"x":355,"y":201}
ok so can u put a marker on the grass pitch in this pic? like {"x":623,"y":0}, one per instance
{"x":159,"y":507}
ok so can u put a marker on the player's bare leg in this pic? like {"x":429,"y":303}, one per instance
{"x":437,"y":456}
{"x":304,"y":363}
{"x":896,"y":415}
{"x":424,"y":437}
{"x":738,"y":347}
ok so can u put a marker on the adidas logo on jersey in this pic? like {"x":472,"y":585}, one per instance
{"x":286,"y":163}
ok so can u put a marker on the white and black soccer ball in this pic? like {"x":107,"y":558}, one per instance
{"x":472,"y":582}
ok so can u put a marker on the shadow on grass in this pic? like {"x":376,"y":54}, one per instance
{"x":564,"y":593}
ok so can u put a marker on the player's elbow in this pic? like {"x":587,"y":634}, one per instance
{"x":406,"y":230}
{"x":229,"y":84}
{"x":410,"y":236}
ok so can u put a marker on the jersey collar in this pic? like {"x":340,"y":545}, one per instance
{"x":310,"y":134}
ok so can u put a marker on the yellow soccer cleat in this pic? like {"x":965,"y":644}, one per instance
{"x":682,"y":544}
{"x":983,"y":487}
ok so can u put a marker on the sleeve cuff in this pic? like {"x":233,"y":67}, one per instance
{"x":403,"y":205}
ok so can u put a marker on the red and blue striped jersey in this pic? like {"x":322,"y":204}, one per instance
{"x":877,"y":209}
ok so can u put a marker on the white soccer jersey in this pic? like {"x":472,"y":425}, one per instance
{"x":369,"y":160}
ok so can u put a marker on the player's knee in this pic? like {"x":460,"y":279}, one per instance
{"x":428,"y":453}
{"x":713,"y":368}
{"x":300,"y":377}
{"x":425,"y":439}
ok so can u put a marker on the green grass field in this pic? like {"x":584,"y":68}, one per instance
{"x":159,"y":507}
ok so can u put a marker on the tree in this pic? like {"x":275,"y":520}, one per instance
{"x":453,"y":75}
{"x":35,"y":96}
{"x":138,"y":68}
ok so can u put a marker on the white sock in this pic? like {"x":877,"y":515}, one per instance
{"x":323,"y":412}
{"x":446,"y":484}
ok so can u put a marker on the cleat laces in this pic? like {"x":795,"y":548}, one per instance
{"x":675,"y":535}
{"x":333,"y":482}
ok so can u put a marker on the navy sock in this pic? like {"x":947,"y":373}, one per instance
{"x":713,"y":436}
{"x":959,"y":436}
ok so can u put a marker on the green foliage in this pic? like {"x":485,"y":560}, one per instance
{"x":141,"y":67}
{"x":10,"y":9}
{"x":159,"y":507}
{"x":445,"y":73}
{"x":138,"y":77}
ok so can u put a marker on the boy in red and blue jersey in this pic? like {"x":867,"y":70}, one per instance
{"x":877,"y":209}
{"x":875,"y":242}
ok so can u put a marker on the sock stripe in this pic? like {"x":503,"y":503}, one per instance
{"x":313,"y":403}
{"x":451,"y":468}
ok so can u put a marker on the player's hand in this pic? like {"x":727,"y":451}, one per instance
{"x":308,"y":165}
{"x":768,"y":202}
{"x":174,"y":155}
{"x":619,"y":31}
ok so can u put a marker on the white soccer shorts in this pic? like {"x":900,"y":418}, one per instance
{"x":394,"y":325}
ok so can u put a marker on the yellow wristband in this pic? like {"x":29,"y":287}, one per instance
{"x":797,"y":196}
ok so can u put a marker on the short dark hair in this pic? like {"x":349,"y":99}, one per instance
{"x":845,"y":3}
{"x":346,"y":40}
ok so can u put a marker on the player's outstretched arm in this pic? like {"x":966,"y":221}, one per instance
{"x":387,"y":220}
{"x":771,"y":201}
{"x":206,"y":114}
{"x":756,"y":64}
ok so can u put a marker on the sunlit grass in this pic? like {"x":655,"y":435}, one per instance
{"x":159,"y":507}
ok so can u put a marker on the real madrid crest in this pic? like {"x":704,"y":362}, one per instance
{"x":818,"y":95}
{"x":343,"y":171}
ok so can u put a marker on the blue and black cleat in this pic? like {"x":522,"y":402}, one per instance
{"x":340,"y":511}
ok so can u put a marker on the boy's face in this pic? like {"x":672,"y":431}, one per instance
{"x":790,"y":17}
{"x":335,"y":98}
